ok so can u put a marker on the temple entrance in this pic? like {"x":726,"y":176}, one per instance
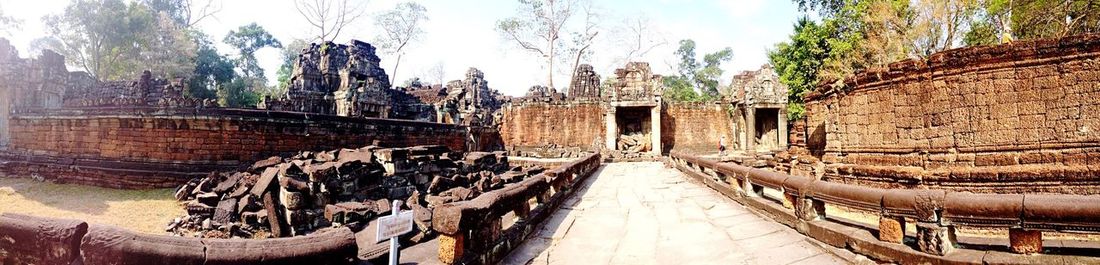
{"x":767,"y":129}
{"x":634,"y":124}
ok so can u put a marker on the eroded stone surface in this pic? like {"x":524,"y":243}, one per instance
{"x":644,"y":213}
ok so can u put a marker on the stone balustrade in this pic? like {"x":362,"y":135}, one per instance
{"x":36,"y":240}
{"x":936,"y":213}
{"x":472,"y":232}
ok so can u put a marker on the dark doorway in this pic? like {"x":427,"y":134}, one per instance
{"x":767,"y":129}
{"x":634,"y":128}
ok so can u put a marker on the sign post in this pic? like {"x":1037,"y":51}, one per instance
{"x":390,"y":227}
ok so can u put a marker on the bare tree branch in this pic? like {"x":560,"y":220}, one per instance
{"x":330,"y":17}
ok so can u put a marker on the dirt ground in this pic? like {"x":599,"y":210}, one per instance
{"x":147,"y":211}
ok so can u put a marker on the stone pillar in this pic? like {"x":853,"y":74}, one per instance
{"x":5,"y":111}
{"x":750,"y":129}
{"x":611,"y":134}
{"x":1025,"y":241}
{"x":784,"y":141}
{"x":451,"y":247}
{"x":655,"y":130}
{"x":935,"y":239}
{"x":891,"y":229}
{"x":809,"y":209}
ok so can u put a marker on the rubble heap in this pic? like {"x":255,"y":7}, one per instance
{"x":279,"y":197}
{"x":586,"y":83}
{"x":635,"y":142}
{"x":542,"y":94}
{"x":339,"y":79}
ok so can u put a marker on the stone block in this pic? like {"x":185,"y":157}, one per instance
{"x":891,"y":229}
{"x":451,"y":248}
{"x":1025,"y":241}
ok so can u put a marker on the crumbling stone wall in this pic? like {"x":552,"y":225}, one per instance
{"x":586,"y":83}
{"x":339,"y":79}
{"x":171,"y":144}
{"x":561,"y":124}
{"x":1014,"y":118}
{"x":697,"y":127}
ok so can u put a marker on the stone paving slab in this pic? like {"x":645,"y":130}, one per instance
{"x":644,"y":213}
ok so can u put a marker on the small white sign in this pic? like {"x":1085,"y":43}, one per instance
{"x":394,"y":225}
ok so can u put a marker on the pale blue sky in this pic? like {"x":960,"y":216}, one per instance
{"x":461,"y":34}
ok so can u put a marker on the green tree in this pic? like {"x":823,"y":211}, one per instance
{"x":239,"y":93}
{"x":701,"y":76}
{"x":798,"y":61}
{"x":111,"y":39}
{"x":212,"y":70}
{"x":185,"y":13}
{"x":103,"y":37}
{"x":290,"y":56}
{"x":247,"y":40}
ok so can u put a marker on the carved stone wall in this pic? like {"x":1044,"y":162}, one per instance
{"x":636,"y":82}
{"x":758,"y":87}
{"x":1015,"y":118}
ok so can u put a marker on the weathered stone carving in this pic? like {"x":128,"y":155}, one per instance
{"x":586,"y":83}
{"x":636,"y":82}
{"x":470,"y":101}
{"x":339,"y":79}
{"x":760,"y":86}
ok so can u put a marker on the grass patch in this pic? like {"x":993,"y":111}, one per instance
{"x":146,"y":211}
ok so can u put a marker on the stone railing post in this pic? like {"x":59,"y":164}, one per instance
{"x":935,"y":238}
{"x":891,"y":228}
{"x":452,"y":247}
{"x":808,"y":209}
{"x":1025,"y":241}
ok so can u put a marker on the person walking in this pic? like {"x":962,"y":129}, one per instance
{"x":722,"y":146}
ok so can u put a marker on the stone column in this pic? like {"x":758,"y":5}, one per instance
{"x":611,"y":133}
{"x":5,"y":111}
{"x":784,"y":141}
{"x":655,"y":131}
{"x":750,"y":129}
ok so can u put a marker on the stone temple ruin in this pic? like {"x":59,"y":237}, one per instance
{"x":991,"y":137}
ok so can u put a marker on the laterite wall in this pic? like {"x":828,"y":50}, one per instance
{"x":165,"y":147}
{"x":1014,"y":118}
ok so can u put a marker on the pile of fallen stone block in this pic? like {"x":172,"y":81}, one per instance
{"x":290,"y":196}
{"x":635,"y":142}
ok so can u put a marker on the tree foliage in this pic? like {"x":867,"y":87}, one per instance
{"x":247,"y":40}
{"x":7,"y":23}
{"x":400,"y":26}
{"x":695,"y":75}
{"x":114,"y":40}
{"x":212,"y":70}
{"x":289,"y":54}
{"x":798,"y":61}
